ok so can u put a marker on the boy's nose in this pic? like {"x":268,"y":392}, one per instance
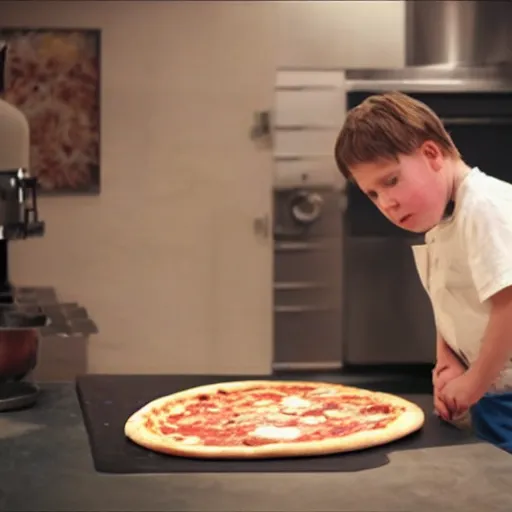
{"x":388,"y":203}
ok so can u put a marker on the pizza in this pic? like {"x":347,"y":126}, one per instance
{"x":269,"y":419}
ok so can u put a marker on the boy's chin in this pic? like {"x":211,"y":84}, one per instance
{"x":416,"y":229}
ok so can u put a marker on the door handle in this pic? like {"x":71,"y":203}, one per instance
{"x":261,"y":226}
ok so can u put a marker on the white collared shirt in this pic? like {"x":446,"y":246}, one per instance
{"x":466,"y":259}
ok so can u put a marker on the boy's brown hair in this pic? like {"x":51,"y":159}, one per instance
{"x":386,"y":125}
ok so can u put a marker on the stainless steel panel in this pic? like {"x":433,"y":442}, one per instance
{"x":308,"y":336}
{"x":306,"y":294}
{"x":455,"y":33}
{"x":296,"y":171}
{"x":306,"y":261}
{"x":431,"y":79}
{"x":388,"y":318}
{"x":307,"y":282}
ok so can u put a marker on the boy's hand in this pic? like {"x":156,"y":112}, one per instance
{"x":461,"y":393}
{"x":441,"y":375}
{"x":440,"y":408}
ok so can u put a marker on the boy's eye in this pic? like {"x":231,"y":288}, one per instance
{"x":392,"y":181}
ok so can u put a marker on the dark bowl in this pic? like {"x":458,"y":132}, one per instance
{"x":18,"y":352}
{"x":19,"y":342}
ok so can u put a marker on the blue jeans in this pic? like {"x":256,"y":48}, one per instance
{"x":491,"y":419}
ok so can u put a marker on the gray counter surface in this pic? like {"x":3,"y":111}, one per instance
{"x":45,"y":465}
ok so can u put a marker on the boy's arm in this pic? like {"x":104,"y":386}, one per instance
{"x":445,"y":356}
{"x":487,"y":237}
{"x":496,"y":348}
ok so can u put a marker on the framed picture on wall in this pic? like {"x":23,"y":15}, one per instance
{"x":53,"y":77}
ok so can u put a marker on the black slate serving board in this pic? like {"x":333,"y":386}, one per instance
{"x":108,"y":400}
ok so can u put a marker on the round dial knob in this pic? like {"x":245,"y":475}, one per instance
{"x":306,"y":207}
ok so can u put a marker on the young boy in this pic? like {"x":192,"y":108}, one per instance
{"x":397,"y":151}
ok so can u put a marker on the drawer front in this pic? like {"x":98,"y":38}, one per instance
{"x":307,"y":336}
{"x":306,"y":294}
{"x":306,"y":261}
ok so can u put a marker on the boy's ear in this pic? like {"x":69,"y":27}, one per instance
{"x":433,"y":154}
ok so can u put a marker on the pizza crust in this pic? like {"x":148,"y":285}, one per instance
{"x":407,"y":422}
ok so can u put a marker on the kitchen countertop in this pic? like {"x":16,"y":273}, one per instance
{"x":46,"y":466}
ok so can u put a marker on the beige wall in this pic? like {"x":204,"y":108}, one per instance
{"x":180,"y":82}
{"x":358,"y":33}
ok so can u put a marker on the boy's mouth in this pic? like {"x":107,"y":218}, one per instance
{"x":404,"y":219}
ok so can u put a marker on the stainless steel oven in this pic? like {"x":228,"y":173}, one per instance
{"x":387,"y":318}
{"x":307,"y":220}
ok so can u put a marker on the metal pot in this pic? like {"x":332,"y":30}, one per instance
{"x":18,"y":352}
{"x":19,"y":342}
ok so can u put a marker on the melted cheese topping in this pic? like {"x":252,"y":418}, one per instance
{"x":339,"y":413}
{"x":269,"y":432}
{"x":324,"y":392}
{"x":176,"y":409}
{"x":262,"y":403}
{"x":295,"y":402}
{"x":312,"y":420}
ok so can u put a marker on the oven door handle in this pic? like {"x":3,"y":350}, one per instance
{"x":300,"y":246}
{"x":479,"y":121}
{"x":304,"y":308}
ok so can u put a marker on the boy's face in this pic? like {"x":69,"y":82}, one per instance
{"x":411,"y":192}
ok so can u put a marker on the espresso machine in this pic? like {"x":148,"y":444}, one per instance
{"x":27,"y":315}
{"x":19,"y":220}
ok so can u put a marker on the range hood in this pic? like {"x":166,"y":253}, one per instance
{"x":458,"y":45}
{"x":455,"y":33}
